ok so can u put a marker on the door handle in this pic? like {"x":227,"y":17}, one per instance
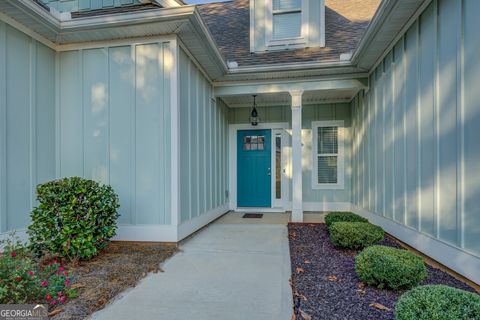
{"x":269,"y":172}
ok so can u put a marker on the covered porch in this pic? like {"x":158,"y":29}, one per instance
{"x":275,"y":165}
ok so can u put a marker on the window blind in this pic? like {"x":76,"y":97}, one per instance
{"x":327,"y":155}
{"x":286,"y":4}
{"x":287,"y":25}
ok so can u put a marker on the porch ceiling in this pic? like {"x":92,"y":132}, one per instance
{"x":284,"y":99}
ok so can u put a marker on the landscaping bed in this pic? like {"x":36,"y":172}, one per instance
{"x":118,"y":267}
{"x":326,"y":286}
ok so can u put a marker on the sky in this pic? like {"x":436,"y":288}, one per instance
{"x":201,"y":1}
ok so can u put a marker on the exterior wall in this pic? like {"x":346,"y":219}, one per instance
{"x":203,"y":147}
{"x":114,"y":125}
{"x":27,"y":124}
{"x":416,"y":153}
{"x":78,"y":5}
{"x":314,"y":199}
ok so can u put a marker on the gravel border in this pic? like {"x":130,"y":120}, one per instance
{"x":325,"y":285}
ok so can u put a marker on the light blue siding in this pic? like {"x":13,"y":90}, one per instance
{"x":203,"y":144}
{"x":426,"y":102}
{"x":115,"y":125}
{"x":322,"y":112}
{"x":27,"y":124}
{"x":81,"y":5}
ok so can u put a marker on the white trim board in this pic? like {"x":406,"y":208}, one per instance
{"x":232,"y":161}
{"x":153,"y":233}
{"x":188,"y":227}
{"x":453,"y":257}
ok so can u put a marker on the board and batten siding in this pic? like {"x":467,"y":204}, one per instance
{"x":203,"y":146}
{"x":114,"y":125}
{"x":27,"y":124}
{"x":80,"y":5}
{"x":416,"y":151}
{"x":314,"y":199}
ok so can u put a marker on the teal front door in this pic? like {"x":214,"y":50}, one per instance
{"x":254,"y":159}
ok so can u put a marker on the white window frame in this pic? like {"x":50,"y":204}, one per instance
{"x":301,"y":40}
{"x":340,"y":124}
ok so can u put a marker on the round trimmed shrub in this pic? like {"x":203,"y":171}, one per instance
{"x":355,"y":235}
{"x":333,"y":217}
{"x":75,"y":218}
{"x":437,"y":302}
{"x":383,"y":266}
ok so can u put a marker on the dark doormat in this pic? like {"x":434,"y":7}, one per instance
{"x":253,"y":215}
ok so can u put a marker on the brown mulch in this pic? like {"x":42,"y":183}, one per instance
{"x":120,"y":266}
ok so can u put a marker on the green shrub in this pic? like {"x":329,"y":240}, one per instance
{"x":355,"y":235}
{"x":75,"y":218}
{"x":22,"y":281}
{"x":383,"y":266}
{"x":333,"y":217}
{"x":438,"y":302}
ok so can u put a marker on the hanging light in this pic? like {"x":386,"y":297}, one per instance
{"x":254,"y":119}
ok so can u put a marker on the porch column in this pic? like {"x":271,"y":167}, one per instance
{"x":297,"y":208}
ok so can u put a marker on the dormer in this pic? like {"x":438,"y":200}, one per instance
{"x":286,"y":24}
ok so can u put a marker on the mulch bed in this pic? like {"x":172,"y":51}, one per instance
{"x":120,"y":266}
{"x":325,"y":285}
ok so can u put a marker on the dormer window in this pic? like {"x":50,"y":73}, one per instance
{"x":286,"y":22}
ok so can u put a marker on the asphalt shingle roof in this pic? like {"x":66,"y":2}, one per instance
{"x":345,"y":23}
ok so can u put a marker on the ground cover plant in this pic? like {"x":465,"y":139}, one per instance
{"x":333,"y":217}
{"x":355,"y":235}
{"x":326,"y":286}
{"x":24,"y":279}
{"x":437,"y":302}
{"x":384,"y":266}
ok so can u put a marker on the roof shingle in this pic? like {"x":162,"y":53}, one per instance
{"x":345,"y":23}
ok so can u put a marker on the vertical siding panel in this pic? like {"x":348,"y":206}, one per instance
{"x":411,"y":97}
{"x":379,"y":141}
{"x":471,"y":134}
{"x":148,"y":134}
{"x":399,"y":134}
{"x":45,"y":115}
{"x":168,"y":63}
{"x":427,"y":121}
{"x":389,"y":178}
{"x":3,"y":127}
{"x":71,"y":115}
{"x":18,"y":123}
{"x":121,"y":79}
{"x":184,"y":138}
{"x":447,"y":118}
{"x":193,"y":138}
{"x":201,"y":134}
{"x":371,"y":148}
{"x":95,"y":108}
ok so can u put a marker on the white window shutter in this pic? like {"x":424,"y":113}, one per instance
{"x":287,"y":4}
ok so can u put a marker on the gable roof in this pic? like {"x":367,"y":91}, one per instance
{"x":345,"y":23}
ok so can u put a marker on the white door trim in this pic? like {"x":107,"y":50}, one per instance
{"x":232,"y":160}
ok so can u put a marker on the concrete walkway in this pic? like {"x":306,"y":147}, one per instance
{"x":227,"y":271}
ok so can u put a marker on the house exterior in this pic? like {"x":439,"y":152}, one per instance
{"x":362,"y":105}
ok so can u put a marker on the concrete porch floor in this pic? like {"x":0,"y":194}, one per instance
{"x":234,"y":268}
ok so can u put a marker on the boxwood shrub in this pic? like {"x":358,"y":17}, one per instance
{"x":333,"y":217}
{"x":355,"y":235}
{"x":75,"y":218}
{"x":383,"y":266}
{"x":437,"y":302}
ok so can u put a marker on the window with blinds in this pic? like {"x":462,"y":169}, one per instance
{"x":327,"y":150}
{"x":327,"y":157}
{"x":286,"y":19}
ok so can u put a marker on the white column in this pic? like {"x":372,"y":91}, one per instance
{"x":297,"y":208}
